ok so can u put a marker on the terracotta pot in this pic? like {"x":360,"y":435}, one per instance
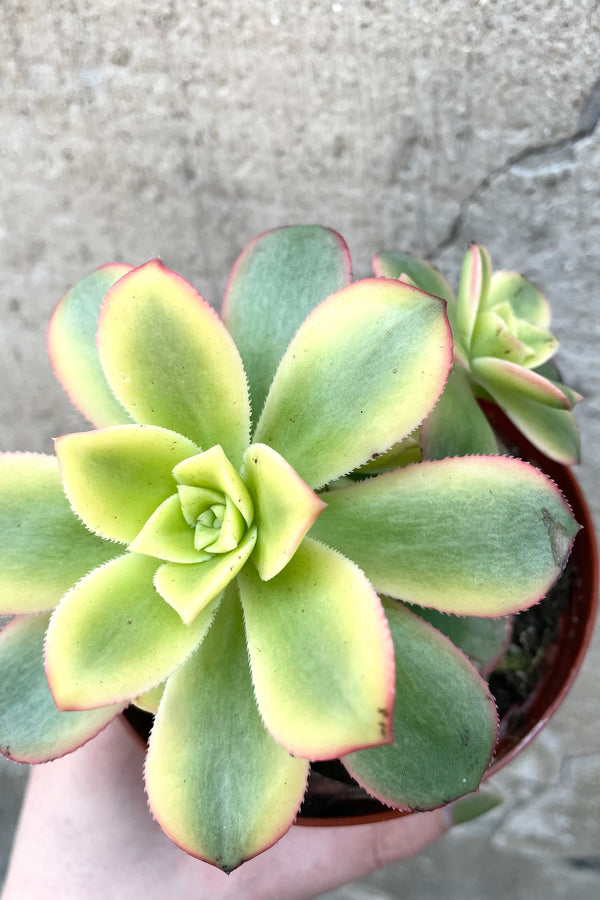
{"x":333,"y":799}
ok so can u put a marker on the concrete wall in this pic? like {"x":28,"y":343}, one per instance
{"x":182,"y":129}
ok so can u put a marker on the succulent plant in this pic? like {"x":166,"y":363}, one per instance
{"x":234,"y":546}
{"x":502,"y":347}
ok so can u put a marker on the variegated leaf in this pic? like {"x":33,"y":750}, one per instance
{"x":171,"y":362}
{"x":445,"y":723}
{"x":115,"y":478}
{"x":217,"y":783}
{"x":44,"y":548}
{"x":32,"y":729}
{"x":284,"y":506}
{"x":73,"y":350}
{"x":113,"y":636}
{"x":320,"y":652}
{"x":479,"y":535}
{"x":276,"y":282}
{"x":362,"y":372}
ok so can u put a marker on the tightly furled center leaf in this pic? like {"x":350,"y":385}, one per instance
{"x":209,"y":514}
{"x":218,"y":524}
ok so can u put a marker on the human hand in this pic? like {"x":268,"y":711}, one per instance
{"x":86,"y":834}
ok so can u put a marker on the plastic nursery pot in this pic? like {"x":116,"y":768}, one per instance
{"x":566,"y":619}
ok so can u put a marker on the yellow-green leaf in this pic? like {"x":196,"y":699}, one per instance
{"x":321,"y":656}
{"x":362,"y":372}
{"x":217,"y":783}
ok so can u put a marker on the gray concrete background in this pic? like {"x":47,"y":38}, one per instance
{"x":182,"y":129}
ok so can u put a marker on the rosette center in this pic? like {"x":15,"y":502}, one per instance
{"x":209,"y":514}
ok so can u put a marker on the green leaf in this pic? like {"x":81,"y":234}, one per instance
{"x":362,"y":372}
{"x":213,"y":470}
{"x":320,"y":653}
{"x":424,"y":274}
{"x":194,"y":500}
{"x":167,"y":535}
{"x":116,"y":477}
{"x":493,"y":337}
{"x":32,"y":729}
{"x":276,"y":282}
{"x":284,"y":506}
{"x":457,"y":426}
{"x":541,"y":345}
{"x":150,"y":700}
{"x":508,"y":376}
{"x":401,"y":454}
{"x":44,"y":548}
{"x":113,"y":636}
{"x":553,"y":431}
{"x":444,"y":723}
{"x":549,"y":370}
{"x":472,"y":292}
{"x":189,"y":588}
{"x":230,"y":531}
{"x":507,"y":314}
{"x":480,"y":535}
{"x":217,"y":783}
{"x":171,"y":362}
{"x":73,"y":351}
{"x":527,"y":302}
{"x":572,"y":396}
{"x":483,"y":641}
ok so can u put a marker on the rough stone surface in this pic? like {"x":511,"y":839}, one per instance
{"x":163,"y":127}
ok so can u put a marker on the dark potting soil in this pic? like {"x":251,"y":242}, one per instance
{"x":515,"y":677}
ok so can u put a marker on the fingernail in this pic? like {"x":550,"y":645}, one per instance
{"x":472,"y":806}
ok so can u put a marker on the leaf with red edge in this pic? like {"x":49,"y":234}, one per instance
{"x":363,"y":370}
{"x":276,"y":282}
{"x":484,"y":641}
{"x":445,"y":723}
{"x":217,"y":782}
{"x":553,"y":431}
{"x":320,"y":652}
{"x":474,"y":535}
{"x":511,"y":377}
{"x":32,"y":729}
{"x":472,"y":292}
{"x":73,"y":351}
{"x":115,"y":478}
{"x":284,"y":507}
{"x":113,"y":636}
{"x":171,"y":362}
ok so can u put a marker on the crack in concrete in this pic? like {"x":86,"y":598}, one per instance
{"x":542,"y":158}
